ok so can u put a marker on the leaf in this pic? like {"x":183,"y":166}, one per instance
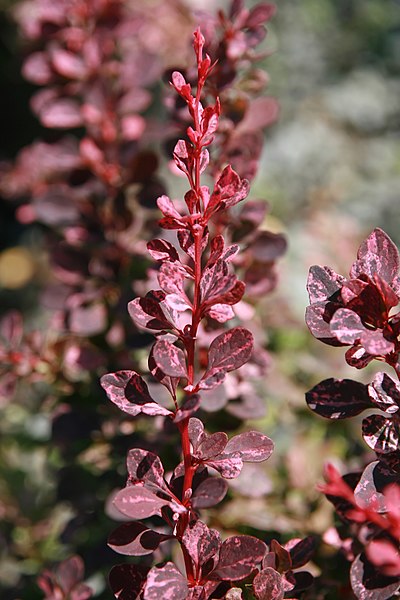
{"x":229,"y":189}
{"x":251,"y":446}
{"x":135,"y":539}
{"x":267,"y":585}
{"x":268,"y":246}
{"x":323,"y":284}
{"x":171,"y":278}
{"x":385,"y":556}
{"x":239,"y":556}
{"x":369,"y":490}
{"x":377,"y":254}
{"x":318,"y":316}
{"x":301,"y":550}
{"x":209,"y":493}
{"x":127,"y":581}
{"x":346,"y":325}
{"x":368,"y":583}
{"x":381,"y":433}
{"x":170,"y":359}
{"x":201,"y":542}
{"x":130,"y":393}
{"x":338,"y":398}
{"x":145,"y":466}
{"x":165,"y":582}
{"x":162,"y":250}
{"x":230,"y":350}
{"x":189,"y":407}
{"x":220,"y":312}
{"x":137,"y":502}
{"x":147,"y":312}
{"x":385,"y":393}
{"x":61,"y":113}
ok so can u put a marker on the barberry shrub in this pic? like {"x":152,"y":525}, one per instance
{"x":360,"y":311}
{"x":197,"y":284}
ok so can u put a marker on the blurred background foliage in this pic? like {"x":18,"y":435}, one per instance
{"x":331,"y":172}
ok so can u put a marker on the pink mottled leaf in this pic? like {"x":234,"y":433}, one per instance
{"x":147,"y":312}
{"x":138,"y":502}
{"x":201,"y":542}
{"x":127,"y":581}
{"x":170,"y":359}
{"x":251,"y":446}
{"x":145,"y":466}
{"x":228,"y":191}
{"x":323,"y":283}
{"x":318,"y":316}
{"x":130,"y":393}
{"x":368,"y":583}
{"x":220,"y":312}
{"x":165,"y":582}
{"x":377,"y":254}
{"x":239,"y":556}
{"x":230,"y":350}
{"x":162,"y":250}
{"x":268,"y":585}
{"x":385,"y":393}
{"x":338,"y":398}
{"x":189,"y":407}
{"x":381,"y":433}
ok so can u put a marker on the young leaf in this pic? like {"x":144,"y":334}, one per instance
{"x":377,"y":254}
{"x":165,"y":582}
{"x":162,"y":250}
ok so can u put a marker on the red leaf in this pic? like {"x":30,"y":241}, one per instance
{"x":323,"y":283}
{"x":162,"y":250}
{"x":165,"y":582}
{"x":268,"y":585}
{"x":170,"y":359}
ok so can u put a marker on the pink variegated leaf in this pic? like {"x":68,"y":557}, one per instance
{"x":347,"y":326}
{"x":251,"y":446}
{"x":230,"y":350}
{"x":183,"y":88}
{"x":228,"y":466}
{"x":239,"y":556}
{"x":138,"y":502}
{"x":301,"y":550}
{"x":183,"y":156}
{"x":130,"y":393}
{"x":318,"y":317}
{"x":171,"y":383}
{"x":188,"y":408}
{"x":323,"y":283}
{"x":209,"y":493}
{"x":201,"y":542}
{"x":385,"y":393}
{"x":135,"y":539}
{"x":170,"y":359}
{"x":377,"y":254}
{"x":212,"y":379}
{"x":178,"y":302}
{"x":338,"y":398}
{"x":228,"y":191}
{"x":358,"y":357}
{"x":368,"y":583}
{"x":127,"y":581}
{"x":381,"y":433}
{"x":167,"y":207}
{"x":162,"y":250}
{"x":145,"y":466}
{"x":186,"y":241}
{"x":63,"y":113}
{"x":171,"y":278}
{"x":204,"y":160}
{"x":165,"y":582}
{"x":268,"y":585}
{"x":147,"y":312}
{"x":371,"y":489}
{"x":220,"y":312}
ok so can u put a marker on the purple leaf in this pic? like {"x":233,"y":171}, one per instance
{"x":346,"y":325}
{"x":323,"y":284}
{"x":228,"y":191}
{"x":369,"y":490}
{"x":201,"y":542}
{"x":251,"y":446}
{"x":165,"y":582}
{"x":162,"y":250}
{"x":189,"y":407}
{"x":127,"y":581}
{"x":220,"y":312}
{"x":171,"y":277}
{"x":338,"y":398}
{"x":300,"y":550}
{"x":381,"y":433}
{"x":137,"y":502}
{"x":239,"y":556}
{"x":385,"y":393}
{"x":229,"y":466}
{"x":145,"y":466}
{"x":209,"y":493}
{"x":170,"y":359}
{"x":171,"y":383}
{"x":318,"y":317}
{"x":147,"y":312}
{"x":135,"y":539}
{"x":268,"y":246}
{"x":130,"y":393}
{"x":268,"y":585}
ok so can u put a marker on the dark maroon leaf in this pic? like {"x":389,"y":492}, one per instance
{"x":369,"y":583}
{"x":209,"y":493}
{"x":301,"y":550}
{"x":170,"y":359}
{"x":385,"y":393}
{"x":135,"y":539}
{"x":381,"y":433}
{"x":260,"y":14}
{"x":162,"y":250}
{"x":338,"y":398}
{"x":130,"y":393}
{"x":358,"y":357}
{"x":228,"y":191}
{"x":302,"y":580}
{"x":238,"y":557}
{"x":147,"y":312}
{"x":369,"y":490}
{"x":268,"y":246}
{"x":201,"y":542}
{"x":216,"y":283}
{"x":127,"y":581}
{"x":267,"y":585}
{"x":188,"y":408}
{"x":165,"y":582}
{"x":251,"y":446}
